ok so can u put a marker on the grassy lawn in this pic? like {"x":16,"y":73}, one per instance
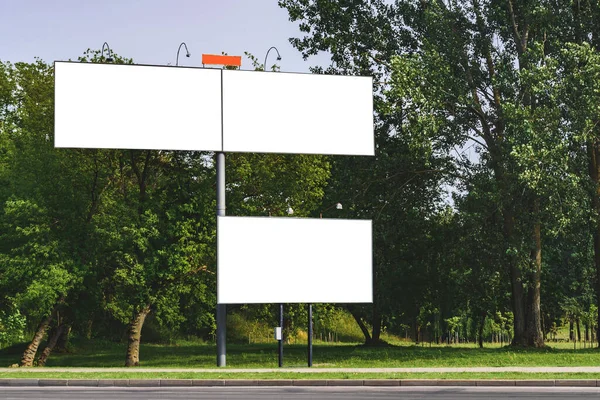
{"x":198,"y":355}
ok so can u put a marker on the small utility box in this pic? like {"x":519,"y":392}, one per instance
{"x":278,"y":335}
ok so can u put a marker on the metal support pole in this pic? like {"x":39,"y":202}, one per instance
{"x":221,"y":308}
{"x":281,"y":340}
{"x":310,"y":334}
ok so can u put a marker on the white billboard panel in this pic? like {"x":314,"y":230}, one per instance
{"x":297,"y":113}
{"x":137,"y":107}
{"x":294,"y":260}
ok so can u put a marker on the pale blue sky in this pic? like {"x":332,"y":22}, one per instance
{"x":149,"y":31}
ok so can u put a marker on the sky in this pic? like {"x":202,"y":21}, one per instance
{"x":149,"y":31}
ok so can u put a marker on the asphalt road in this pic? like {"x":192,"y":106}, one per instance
{"x":297,"y":393}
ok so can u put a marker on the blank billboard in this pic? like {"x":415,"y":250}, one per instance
{"x":137,"y":107}
{"x":294,"y":260}
{"x":297,"y":113}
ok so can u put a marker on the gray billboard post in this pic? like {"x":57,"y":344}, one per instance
{"x":221,"y":308}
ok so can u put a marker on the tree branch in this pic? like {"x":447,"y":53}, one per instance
{"x":515,"y":27}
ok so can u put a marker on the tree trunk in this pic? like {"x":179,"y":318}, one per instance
{"x":63,"y":339}
{"x":480,"y":331}
{"x":52,"y":340}
{"x":535,"y":338}
{"x":587,"y":332}
{"x":88,"y":328}
{"x":377,"y":322}
{"x":578,"y":330}
{"x":516,"y":282}
{"x":134,"y":334}
{"x":31,"y":350}
{"x":361,"y":325}
{"x":417,"y":330}
{"x":571,"y":331}
{"x":544,"y":328}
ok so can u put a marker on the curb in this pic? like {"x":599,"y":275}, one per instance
{"x":6,"y":382}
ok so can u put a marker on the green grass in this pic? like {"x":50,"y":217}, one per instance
{"x":37,"y":374}
{"x":197,"y":355}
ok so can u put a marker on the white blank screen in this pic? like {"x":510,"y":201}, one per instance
{"x":297,"y":113}
{"x":294,"y":260}
{"x":137,"y":107}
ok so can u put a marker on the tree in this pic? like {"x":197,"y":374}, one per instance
{"x":579,"y":70}
{"x":467,"y":71}
{"x":479,"y":259}
{"x":157,"y":228}
{"x":36,"y":212}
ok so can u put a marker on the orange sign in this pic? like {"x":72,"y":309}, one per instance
{"x":214,"y":59}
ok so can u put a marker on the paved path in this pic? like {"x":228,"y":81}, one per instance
{"x":316,"y":370}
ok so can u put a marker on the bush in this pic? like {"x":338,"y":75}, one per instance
{"x":12,"y":327}
{"x":242,"y":330}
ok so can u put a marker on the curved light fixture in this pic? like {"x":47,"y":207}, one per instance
{"x":338,"y":206}
{"x":109,"y":51}
{"x":266,"y":56}
{"x":187,"y":53}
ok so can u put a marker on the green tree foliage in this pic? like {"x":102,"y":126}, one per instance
{"x":91,"y":231}
{"x":40,"y":206}
{"x":99,"y":239}
{"x":399,"y":188}
{"x":482,"y":73}
{"x":12,"y":325}
{"x":579,"y":72}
